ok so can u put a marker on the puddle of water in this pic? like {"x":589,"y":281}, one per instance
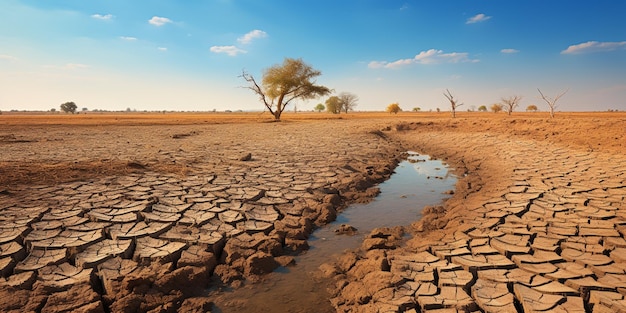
{"x":416,"y":182}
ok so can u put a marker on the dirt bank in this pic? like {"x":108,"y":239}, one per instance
{"x":536,"y":224}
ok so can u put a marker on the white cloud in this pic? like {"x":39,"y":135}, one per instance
{"x":159,"y":21}
{"x":105,"y":17}
{"x":431,"y":56}
{"x":126,"y":38}
{"x":247,"y":38}
{"x":509,"y":51}
{"x":7,"y":57}
{"x":477,"y":18}
{"x":230,"y":50}
{"x":376,"y":64}
{"x":162,"y":49}
{"x":594,"y":46}
{"x":68,"y":66}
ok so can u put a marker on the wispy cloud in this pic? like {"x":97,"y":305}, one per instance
{"x":68,"y":66}
{"x":431,"y":56}
{"x":104,"y":17}
{"x":254,"y":34}
{"x":127,"y":38}
{"x":509,"y":51}
{"x":159,"y":21}
{"x":594,"y":46}
{"x":477,"y":18}
{"x":162,"y":49}
{"x":230,"y":50}
{"x":7,"y":57}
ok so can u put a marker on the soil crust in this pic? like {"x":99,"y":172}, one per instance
{"x":146,"y":214}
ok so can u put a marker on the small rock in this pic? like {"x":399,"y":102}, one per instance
{"x":285,"y":260}
{"x":345,"y":229}
{"x":246,"y":157}
{"x":260,"y":263}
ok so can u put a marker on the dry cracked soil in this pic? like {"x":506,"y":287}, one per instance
{"x":145,"y":213}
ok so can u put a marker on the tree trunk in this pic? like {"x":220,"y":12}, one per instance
{"x":279,"y":107}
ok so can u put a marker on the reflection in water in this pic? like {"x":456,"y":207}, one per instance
{"x":416,"y":182}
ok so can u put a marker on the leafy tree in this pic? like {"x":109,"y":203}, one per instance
{"x":53,"y":110}
{"x":319,"y":107}
{"x":531,"y":108}
{"x":482,"y":108}
{"x":453,"y":102}
{"x":552,"y":101}
{"x":85,"y":109}
{"x":496,"y":107}
{"x":284,"y":83}
{"x":511,"y":103}
{"x":394,"y":108}
{"x":69,"y":107}
{"x":333,"y":105}
{"x":416,"y":109}
{"x":348,"y":101}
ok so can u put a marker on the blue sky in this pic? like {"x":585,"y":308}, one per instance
{"x":187,"y":55}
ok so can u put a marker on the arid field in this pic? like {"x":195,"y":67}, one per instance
{"x":168,"y":212}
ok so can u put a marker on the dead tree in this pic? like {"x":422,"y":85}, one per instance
{"x":511,"y":103}
{"x":552,"y":102}
{"x":453,"y":102}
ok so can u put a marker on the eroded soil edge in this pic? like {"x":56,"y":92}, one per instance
{"x":533,"y":226}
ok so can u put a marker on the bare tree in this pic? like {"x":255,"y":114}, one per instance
{"x":348,"y":101}
{"x":552,"y":101}
{"x":285,"y":82}
{"x":453,"y":103}
{"x":511,"y":103}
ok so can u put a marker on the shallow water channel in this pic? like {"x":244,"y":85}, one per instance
{"x":416,"y":182}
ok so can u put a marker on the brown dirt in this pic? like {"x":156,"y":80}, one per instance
{"x":602,"y":131}
{"x":53,"y":150}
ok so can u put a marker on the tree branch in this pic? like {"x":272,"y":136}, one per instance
{"x":254,"y":86}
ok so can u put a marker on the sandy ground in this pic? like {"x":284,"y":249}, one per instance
{"x":127,"y":212}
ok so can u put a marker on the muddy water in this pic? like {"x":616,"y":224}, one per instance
{"x":417,"y":182}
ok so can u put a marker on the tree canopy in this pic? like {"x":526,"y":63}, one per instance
{"x":496,"y":107}
{"x":283,"y":83}
{"x":319,"y":107}
{"x":69,"y":107}
{"x":333,"y":105}
{"x":394,"y":108}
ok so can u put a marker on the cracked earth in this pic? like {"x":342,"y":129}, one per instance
{"x":537,"y":222}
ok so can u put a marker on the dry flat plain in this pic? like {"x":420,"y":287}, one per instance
{"x":138,"y":213}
